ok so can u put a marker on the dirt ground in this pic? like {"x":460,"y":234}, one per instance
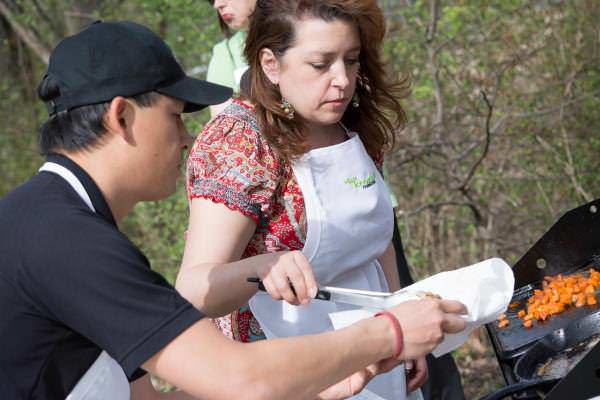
{"x":478,"y":366}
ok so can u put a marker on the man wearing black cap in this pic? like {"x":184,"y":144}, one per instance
{"x":83,"y":315}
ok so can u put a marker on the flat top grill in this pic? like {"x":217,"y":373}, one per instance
{"x":512,"y":340}
{"x":571,"y":245}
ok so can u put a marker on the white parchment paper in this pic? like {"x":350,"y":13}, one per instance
{"x":485,"y":288}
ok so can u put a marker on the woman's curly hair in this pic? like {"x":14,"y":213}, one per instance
{"x":379,"y":114}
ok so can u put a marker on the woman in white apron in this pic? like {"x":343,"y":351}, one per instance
{"x":282,"y":172}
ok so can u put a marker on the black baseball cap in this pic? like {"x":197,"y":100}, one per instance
{"x":110,"y":59}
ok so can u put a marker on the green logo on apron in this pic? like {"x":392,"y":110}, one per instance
{"x":361,"y":183}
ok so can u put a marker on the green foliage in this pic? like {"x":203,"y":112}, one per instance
{"x":189,"y":27}
{"x":529,"y":57}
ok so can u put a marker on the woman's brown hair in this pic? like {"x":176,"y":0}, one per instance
{"x":379,"y":113}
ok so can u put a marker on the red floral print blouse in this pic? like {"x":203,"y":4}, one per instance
{"x":230,"y":163}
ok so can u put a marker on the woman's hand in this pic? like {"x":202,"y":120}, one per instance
{"x":288,"y":276}
{"x":425,"y":322}
{"x":356,"y":382}
{"x":416,"y":374}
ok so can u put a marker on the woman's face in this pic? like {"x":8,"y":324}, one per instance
{"x":317,"y":76}
{"x":235,"y":13}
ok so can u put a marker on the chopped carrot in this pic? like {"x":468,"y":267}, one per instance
{"x":591,"y":300}
{"x":503,"y":323}
{"x":557,"y":294}
{"x":514,"y":304}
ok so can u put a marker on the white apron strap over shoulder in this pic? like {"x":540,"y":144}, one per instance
{"x":349,"y":225}
{"x":105,"y":379}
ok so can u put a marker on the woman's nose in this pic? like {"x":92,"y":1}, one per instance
{"x":340,"y":77}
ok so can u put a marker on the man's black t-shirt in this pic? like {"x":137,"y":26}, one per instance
{"x":72,"y":285}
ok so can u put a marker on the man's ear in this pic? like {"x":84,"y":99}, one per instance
{"x":270,"y":65}
{"x":119,"y":118}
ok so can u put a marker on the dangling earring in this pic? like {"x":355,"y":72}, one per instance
{"x":355,"y":100}
{"x":287,"y":108}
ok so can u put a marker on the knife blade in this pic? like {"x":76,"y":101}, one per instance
{"x":361,"y":298}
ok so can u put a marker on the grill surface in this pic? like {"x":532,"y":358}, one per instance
{"x":515,"y":338}
{"x":571,"y":245}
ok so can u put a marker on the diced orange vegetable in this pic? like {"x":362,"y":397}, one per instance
{"x":589,"y":289}
{"x":591,"y":300}
{"x":503,"y":323}
{"x":514,"y":305}
{"x":557,"y":294}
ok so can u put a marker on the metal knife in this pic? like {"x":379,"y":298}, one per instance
{"x":362,"y":298}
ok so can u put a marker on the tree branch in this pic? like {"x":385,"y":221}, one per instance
{"x":40,"y":49}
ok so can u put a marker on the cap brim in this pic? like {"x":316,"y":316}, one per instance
{"x":196,"y":94}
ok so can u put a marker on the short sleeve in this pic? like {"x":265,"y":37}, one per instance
{"x":92,"y":279}
{"x":230,"y":163}
{"x":220,"y":67}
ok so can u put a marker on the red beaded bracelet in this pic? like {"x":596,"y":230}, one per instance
{"x":397,"y":330}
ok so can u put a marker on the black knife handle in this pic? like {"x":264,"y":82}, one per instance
{"x":257,"y":280}
{"x":321,"y":294}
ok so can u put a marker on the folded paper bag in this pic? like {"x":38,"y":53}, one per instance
{"x":484,"y":288}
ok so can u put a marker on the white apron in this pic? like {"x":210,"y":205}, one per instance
{"x":105,"y":379}
{"x":349,"y":225}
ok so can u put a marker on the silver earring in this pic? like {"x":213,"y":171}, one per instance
{"x":287,"y":108}
{"x":355,"y":100}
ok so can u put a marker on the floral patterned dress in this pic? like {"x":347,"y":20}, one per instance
{"x":230,"y":163}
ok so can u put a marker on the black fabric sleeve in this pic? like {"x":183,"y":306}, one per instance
{"x":86,"y":274}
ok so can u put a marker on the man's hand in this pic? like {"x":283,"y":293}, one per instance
{"x":356,"y":382}
{"x":416,"y":374}
{"x":425,"y":322}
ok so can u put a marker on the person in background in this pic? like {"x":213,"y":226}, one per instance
{"x":83,"y":314}
{"x":227,"y":63}
{"x":297,"y":167}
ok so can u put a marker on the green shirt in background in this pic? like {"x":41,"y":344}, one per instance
{"x":227,"y":63}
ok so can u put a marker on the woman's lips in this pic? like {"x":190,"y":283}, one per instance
{"x":337,"y":102}
{"x":227,"y":17}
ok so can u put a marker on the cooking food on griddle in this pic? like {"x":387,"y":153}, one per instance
{"x":502,"y":321}
{"x":558,"y":293}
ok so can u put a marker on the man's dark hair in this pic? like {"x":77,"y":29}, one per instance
{"x":80,"y":128}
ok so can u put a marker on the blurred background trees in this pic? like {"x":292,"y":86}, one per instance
{"x":504,"y":118}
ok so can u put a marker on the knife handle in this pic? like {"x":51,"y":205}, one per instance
{"x":321,"y":294}
{"x":257,"y":280}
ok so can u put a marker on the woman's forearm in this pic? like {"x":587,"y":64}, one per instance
{"x":220,"y":288}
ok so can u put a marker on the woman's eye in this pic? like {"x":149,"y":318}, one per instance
{"x":352,"y":61}
{"x":318,"y":65}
